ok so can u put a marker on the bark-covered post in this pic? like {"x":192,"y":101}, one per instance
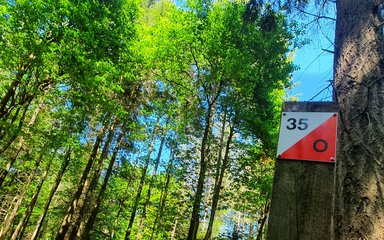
{"x":303,"y":191}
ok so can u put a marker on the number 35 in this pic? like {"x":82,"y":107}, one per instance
{"x":302,"y":124}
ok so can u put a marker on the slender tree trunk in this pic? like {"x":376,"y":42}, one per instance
{"x":174,"y":227}
{"x":58,"y":179}
{"x":67,"y":221}
{"x":163,"y":197}
{"x":263,"y":220}
{"x":89,"y":188}
{"x":96,"y":207}
{"x":12,"y":160}
{"x":218,"y":185}
{"x":204,"y":158}
{"x":148,"y":197}
{"x":141,"y":185}
{"x":25,"y":218}
{"x":359,"y":74}
{"x":121,"y":201}
{"x":12,"y":138}
{"x":9,"y":222}
{"x":218,"y":167}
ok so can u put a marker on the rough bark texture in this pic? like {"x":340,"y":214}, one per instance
{"x":359,"y":81}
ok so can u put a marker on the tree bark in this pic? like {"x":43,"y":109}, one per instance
{"x":359,"y":74}
{"x":218,"y":167}
{"x":58,"y":179}
{"x":10,"y":93}
{"x":121,"y":201}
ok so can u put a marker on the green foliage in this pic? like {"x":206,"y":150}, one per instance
{"x":69,"y":69}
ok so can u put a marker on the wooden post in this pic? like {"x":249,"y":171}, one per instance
{"x":303,"y":192}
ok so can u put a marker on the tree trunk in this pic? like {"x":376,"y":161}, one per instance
{"x":174,"y":227}
{"x":10,"y":93}
{"x":58,"y":179}
{"x":12,"y":138}
{"x":96,"y":207}
{"x":359,"y":66}
{"x":141,"y":184}
{"x":67,"y":221}
{"x":18,"y":232}
{"x":90,"y":186}
{"x":148,"y":197}
{"x":8,"y":222}
{"x":121,"y":201}
{"x":219,"y":183}
{"x":204,"y":158}
{"x":163,"y":197}
{"x":262,"y":221}
{"x":12,"y":160}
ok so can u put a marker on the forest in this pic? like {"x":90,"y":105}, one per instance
{"x":140,"y":119}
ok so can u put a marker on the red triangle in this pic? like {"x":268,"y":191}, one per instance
{"x":318,"y":145}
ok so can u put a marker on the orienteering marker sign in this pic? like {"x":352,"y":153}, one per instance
{"x":308,"y":136}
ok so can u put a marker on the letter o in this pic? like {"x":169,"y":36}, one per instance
{"x":320,"y":148}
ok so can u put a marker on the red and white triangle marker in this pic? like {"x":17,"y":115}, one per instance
{"x":308,"y":136}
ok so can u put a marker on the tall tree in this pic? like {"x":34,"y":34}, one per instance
{"x":358,"y":75}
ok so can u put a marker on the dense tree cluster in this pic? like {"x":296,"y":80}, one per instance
{"x":138,"y":120}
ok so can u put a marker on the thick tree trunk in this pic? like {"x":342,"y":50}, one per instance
{"x":219,"y":183}
{"x":152,"y":181}
{"x":359,"y":81}
{"x":95,"y":209}
{"x":58,"y":179}
{"x":141,"y":185}
{"x":67,"y":221}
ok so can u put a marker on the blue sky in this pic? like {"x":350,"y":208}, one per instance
{"x":316,"y":65}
